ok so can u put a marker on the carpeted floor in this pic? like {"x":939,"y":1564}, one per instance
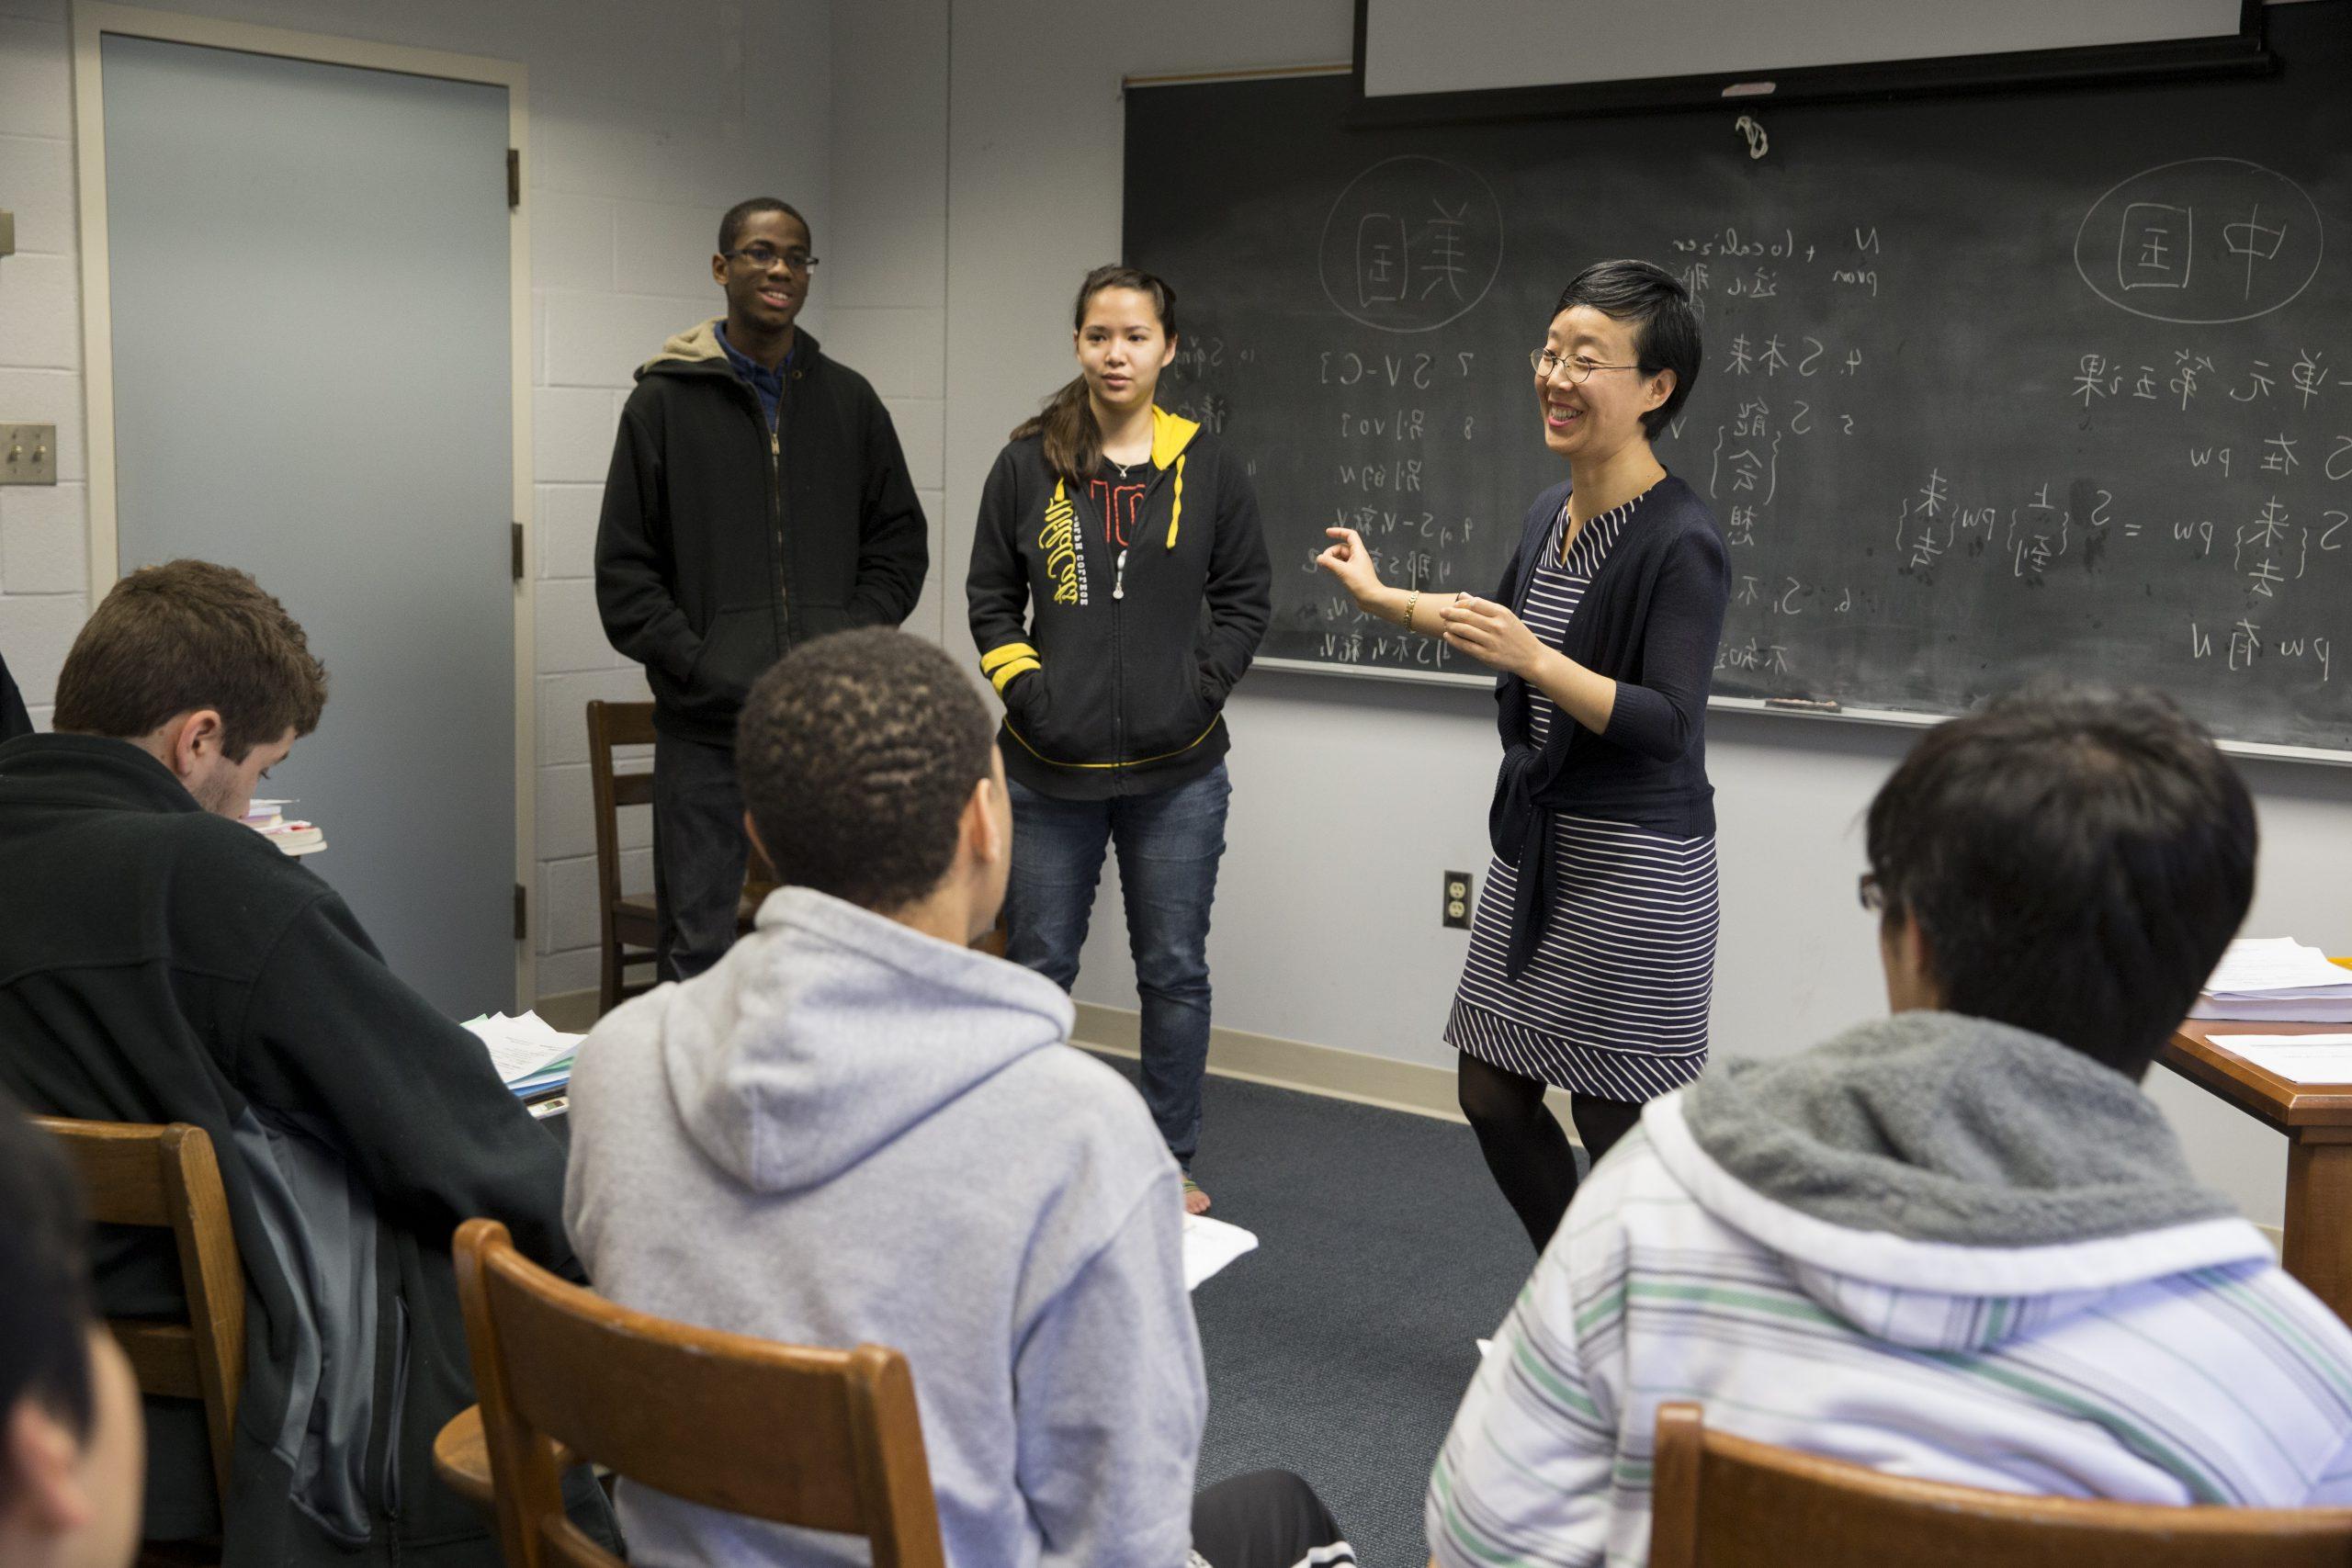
{"x":1341,"y":1348}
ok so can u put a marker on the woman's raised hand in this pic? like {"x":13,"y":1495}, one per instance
{"x":1490,"y":634}
{"x":1350,"y":562}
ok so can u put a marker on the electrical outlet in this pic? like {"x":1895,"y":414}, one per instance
{"x":1454,"y":912}
{"x":27,"y":454}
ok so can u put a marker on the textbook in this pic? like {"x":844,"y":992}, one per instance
{"x":268,"y":818}
{"x":2277,"y":978}
{"x":530,"y":1054}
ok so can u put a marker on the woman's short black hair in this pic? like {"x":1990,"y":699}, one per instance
{"x":46,"y":1312}
{"x":1666,"y":327}
{"x":856,"y":754}
{"x":2076,"y":857}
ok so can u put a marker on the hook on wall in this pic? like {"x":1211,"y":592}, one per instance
{"x":1757,"y":143}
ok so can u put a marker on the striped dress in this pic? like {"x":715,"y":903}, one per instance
{"x":1615,"y":1002}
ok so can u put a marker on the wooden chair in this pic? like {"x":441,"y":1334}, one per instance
{"x":1724,"y":1502}
{"x":826,"y":1439}
{"x":167,"y":1178}
{"x":628,"y":928}
{"x":624,"y":922}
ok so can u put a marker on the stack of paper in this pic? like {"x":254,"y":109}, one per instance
{"x":2298,"y":1058}
{"x":268,"y":818}
{"x":530,"y":1053}
{"x":2279,"y":979}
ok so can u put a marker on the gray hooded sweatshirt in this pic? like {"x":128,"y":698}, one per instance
{"x":848,"y":1131}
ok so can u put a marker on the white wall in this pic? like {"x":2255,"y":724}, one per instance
{"x":1352,"y":796}
{"x":648,"y":119}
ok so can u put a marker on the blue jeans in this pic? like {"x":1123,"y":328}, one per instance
{"x":1168,"y":846}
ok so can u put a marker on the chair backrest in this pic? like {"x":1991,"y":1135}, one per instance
{"x":611,"y":725}
{"x":826,"y":1439}
{"x":1724,"y":1502}
{"x":166,"y":1178}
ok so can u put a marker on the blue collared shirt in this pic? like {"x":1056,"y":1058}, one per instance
{"x":767,"y":383}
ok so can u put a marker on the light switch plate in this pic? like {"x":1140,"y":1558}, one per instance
{"x":27,"y":454}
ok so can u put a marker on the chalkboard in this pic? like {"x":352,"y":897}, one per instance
{"x":1994,"y":385}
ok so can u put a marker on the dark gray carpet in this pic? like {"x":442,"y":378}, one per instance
{"x":1342,"y":1347}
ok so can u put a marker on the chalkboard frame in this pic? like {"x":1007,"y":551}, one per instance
{"x":2242,"y":54}
{"x":1889,"y":718}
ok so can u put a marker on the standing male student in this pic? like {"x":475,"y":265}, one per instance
{"x":757,"y":498}
{"x":162,"y":962}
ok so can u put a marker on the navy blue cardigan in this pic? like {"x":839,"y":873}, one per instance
{"x":1650,"y":621}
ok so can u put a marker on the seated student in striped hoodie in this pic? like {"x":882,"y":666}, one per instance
{"x":1958,"y":1242}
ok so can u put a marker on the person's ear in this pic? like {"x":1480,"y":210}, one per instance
{"x":758,"y":850}
{"x":197,"y":740}
{"x":1661,"y":387}
{"x":1167,"y":355}
{"x":40,"y":1462}
{"x":719,"y":269}
{"x":986,"y":841}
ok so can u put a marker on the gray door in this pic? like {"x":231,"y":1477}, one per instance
{"x":312,"y":382}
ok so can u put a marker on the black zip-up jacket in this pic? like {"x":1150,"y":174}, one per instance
{"x":724,"y":545}
{"x":1113,"y":661}
{"x":160,"y":964}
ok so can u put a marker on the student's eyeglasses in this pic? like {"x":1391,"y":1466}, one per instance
{"x":765,"y":258}
{"x":1872,"y":896}
{"x":1547,"y":364}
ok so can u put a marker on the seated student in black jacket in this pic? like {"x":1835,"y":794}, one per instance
{"x":160,"y":962}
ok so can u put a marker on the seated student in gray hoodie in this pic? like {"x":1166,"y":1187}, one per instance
{"x":1958,"y":1242}
{"x":855,"y":1127}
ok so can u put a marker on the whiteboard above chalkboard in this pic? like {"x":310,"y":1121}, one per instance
{"x":1994,"y":385}
{"x":1458,"y":46}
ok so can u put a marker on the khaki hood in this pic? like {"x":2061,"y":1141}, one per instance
{"x":693,"y":345}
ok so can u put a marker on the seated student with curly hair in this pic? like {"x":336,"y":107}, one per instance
{"x":854,"y":1127}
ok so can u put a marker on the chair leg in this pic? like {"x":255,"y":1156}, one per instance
{"x":608,"y":977}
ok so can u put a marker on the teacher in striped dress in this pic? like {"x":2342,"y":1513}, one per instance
{"x":1592,"y":953}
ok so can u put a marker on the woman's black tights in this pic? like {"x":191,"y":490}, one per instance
{"x":1524,"y":1146}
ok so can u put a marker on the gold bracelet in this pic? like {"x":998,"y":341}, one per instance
{"x":1409,"y":603}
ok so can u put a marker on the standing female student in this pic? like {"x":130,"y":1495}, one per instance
{"x":1119,"y":586}
{"x":1592,"y":954}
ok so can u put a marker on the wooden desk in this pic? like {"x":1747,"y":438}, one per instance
{"x":2317,"y":1120}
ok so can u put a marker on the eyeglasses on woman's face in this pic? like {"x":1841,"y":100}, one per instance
{"x":1548,"y":362}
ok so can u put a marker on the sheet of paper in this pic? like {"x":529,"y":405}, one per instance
{"x":522,"y":1047}
{"x":2298,"y":1058}
{"x":1210,"y":1245}
{"x":2275,"y":965}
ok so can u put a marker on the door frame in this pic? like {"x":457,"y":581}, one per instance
{"x":94,"y":19}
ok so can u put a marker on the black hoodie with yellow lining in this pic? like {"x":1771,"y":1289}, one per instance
{"x":1115,"y":623}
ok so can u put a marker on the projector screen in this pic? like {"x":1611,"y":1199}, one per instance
{"x":1454,"y":46}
